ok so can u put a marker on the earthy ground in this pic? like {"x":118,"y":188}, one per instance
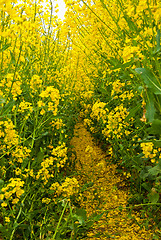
{"x":107,"y":193}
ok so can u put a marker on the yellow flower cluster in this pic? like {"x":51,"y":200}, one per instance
{"x":54,"y":96}
{"x":58,"y":123}
{"x":25,"y":106}
{"x":47,"y":171}
{"x":11,"y":84}
{"x":12,"y":191}
{"x":35,"y":83}
{"x":86,"y":109}
{"x":130,"y":52}
{"x":115,"y":123}
{"x":46,"y":200}
{"x":118,"y":91}
{"x":87,"y":122}
{"x":20,"y":153}
{"x":87,"y":95}
{"x":99,"y":111}
{"x":126,"y":95}
{"x":149,"y":151}
{"x":60,"y":155}
{"x":9,"y":134}
{"x":49,"y":164}
{"x":69,"y":187}
{"x":116,"y":87}
{"x":147,"y":148}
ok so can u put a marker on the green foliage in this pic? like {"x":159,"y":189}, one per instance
{"x":142,"y":124}
{"x":40,"y":103}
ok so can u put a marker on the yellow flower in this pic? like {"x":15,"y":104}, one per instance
{"x":152,"y":160}
{"x":4,"y":204}
{"x":1,"y":196}
{"x":46,"y":200}
{"x":15,"y":201}
{"x":7,"y":219}
{"x":147,"y":148}
{"x":19,"y":192}
{"x":23,"y":106}
{"x":42,"y":112}
{"x":40,"y":103}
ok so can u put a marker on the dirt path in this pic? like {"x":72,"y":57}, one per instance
{"x":106,"y":194}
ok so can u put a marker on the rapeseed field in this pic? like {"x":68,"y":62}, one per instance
{"x":80,"y":120}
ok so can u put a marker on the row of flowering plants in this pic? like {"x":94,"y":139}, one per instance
{"x":120,"y":43}
{"x":36,"y":124}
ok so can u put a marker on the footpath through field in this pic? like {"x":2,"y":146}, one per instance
{"x":106,"y":194}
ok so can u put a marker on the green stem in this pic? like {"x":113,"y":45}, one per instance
{"x":71,"y":214}
{"x":15,"y":223}
{"x":60,"y":221}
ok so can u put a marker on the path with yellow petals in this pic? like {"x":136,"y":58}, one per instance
{"x":105,"y":194}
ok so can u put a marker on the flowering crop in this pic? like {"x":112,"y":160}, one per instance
{"x":117,"y":41}
{"x":101,"y":64}
{"x":36,"y":119}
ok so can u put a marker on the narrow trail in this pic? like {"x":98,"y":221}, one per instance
{"x":105,"y":194}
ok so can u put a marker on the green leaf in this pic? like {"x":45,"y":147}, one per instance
{"x":7,"y":108}
{"x":3,"y":161}
{"x":150,"y":80}
{"x":25,"y":163}
{"x":153,"y":197}
{"x":150,"y":109}
{"x":81,"y":212}
{"x":146,"y":186}
{"x":158,"y":48}
{"x":13,"y":60}
{"x":133,"y":112}
{"x":81,"y":216}
{"x":98,"y":216}
{"x":38,"y":160}
{"x":40,"y":156}
{"x":1,"y":183}
{"x":156,"y":126}
{"x":157,"y":143}
{"x":159,"y":164}
{"x":144,"y":174}
{"x":154,"y":170}
{"x":80,"y":219}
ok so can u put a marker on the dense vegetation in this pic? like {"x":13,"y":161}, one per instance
{"x":101,"y":64}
